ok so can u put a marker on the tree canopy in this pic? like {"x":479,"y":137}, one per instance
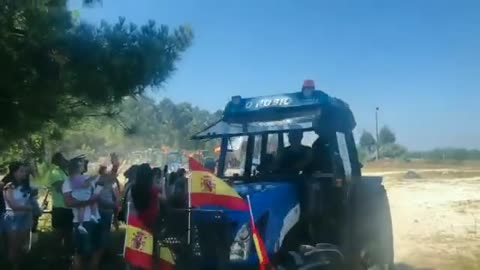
{"x":388,"y":148}
{"x":142,"y":124}
{"x":386,"y":136}
{"x":56,"y":70}
{"x":367,"y":141}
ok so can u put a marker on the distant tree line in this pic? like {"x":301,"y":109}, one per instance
{"x":388,"y":148}
{"x":457,"y":154}
{"x":387,"y":145}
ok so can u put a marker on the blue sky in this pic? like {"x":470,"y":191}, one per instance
{"x":418,"y":60}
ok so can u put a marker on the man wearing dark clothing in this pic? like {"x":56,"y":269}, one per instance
{"x":294,"y":158}
{"x":321,"y":157}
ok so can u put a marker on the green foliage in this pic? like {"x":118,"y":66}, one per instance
{"x":367,"y":141}
{"x":56,"y":71}
{"x":387,"y":146}
{"x":141,"y":124}
{"x":386,"y":136}
{"x":392,"y":151}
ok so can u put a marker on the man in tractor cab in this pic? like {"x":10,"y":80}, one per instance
{"x":322,"y":193}
{"x":321,"y":161}
{"x":296,"y":157}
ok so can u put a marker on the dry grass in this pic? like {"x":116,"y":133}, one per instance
{"x":436,"y":218}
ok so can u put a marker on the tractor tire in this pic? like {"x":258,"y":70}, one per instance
{"x":372,"y":231}
{"x":324,"y":257}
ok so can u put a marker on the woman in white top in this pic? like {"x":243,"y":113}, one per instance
{"x":18,"y":214}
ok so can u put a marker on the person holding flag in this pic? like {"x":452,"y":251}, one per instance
{"x":140,"y":246}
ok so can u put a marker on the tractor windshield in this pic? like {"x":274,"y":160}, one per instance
{"x":250,"y":155}
{"x":224,"y":128}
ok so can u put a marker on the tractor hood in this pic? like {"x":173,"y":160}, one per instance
{"x":275,"y":207}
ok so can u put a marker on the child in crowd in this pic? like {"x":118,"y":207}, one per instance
{"x":83,"y":188}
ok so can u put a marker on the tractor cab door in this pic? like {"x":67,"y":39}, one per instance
{"x":347,"y":177}
{"x":328,"y":186}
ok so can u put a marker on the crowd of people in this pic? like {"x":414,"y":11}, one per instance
{"x":85,"y":207}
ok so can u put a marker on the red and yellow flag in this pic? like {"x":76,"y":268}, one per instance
{"x":258,"y":242}
{"x":139,"y":247}
{"x":206,"y":189}
{"x":167,"y":261}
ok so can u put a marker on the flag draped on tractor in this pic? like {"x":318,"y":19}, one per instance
{"x":139,"y":243}
{"x":206,"y":189}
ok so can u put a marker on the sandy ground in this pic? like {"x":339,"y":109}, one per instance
{"x":436,"y":220}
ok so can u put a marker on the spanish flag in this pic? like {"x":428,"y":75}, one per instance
{"x":258,"y":242}
{"x":167,"y":261}
{"x":206,"y":189}
{"x":138,"y":249}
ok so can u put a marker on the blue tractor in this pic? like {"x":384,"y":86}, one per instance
{"x":313,"y":211}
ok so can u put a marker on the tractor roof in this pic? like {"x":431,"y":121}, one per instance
{"x":278,"y":113}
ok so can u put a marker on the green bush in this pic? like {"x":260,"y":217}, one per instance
{"x":393,"y":151}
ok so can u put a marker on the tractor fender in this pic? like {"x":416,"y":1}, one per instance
{"x":372,"y":223}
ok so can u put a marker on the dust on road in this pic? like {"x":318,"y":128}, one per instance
{"x":436,"y":221}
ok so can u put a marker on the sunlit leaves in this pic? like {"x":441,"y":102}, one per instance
{"x":56,"y":69}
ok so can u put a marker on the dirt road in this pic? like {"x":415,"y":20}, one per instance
{"x":436,"y":221}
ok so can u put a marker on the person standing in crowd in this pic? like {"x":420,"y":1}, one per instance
{"x":83,"y":190}
{"x":146,"y":196}
{"x":146,"y":201}
{"x":159,"y":181}
{"x":62,"y":216}
{"x":18,"y":211}
{"x":86,"y":245}
{"x":37,"y":210}
{"x":3,"y":236}
{"x":108,"y":201}
{"x":130,"y":174}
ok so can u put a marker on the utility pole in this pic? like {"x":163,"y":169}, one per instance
{"x":376,"y":132}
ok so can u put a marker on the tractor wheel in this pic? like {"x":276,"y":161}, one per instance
{"x":320,"y":257}
{"x":373,"y":234}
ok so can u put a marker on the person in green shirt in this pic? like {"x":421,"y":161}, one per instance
{"x":62,"y":216}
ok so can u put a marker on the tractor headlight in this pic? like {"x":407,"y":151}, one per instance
{"x":241,"y":245}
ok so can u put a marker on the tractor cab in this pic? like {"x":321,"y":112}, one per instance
{"x":294,"y":155}
{"x":254,"y":132}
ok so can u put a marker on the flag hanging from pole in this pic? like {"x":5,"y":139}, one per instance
{"x":138,"y":244}
{"x":138,"y":250}
{"x":206,"y":189}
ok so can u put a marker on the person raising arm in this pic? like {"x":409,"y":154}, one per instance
{"x":86,"y":245}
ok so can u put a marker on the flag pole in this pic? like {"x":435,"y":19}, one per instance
{"x":264,"y":261}
{"x":250,"y":209}
{"x":126,"y":229}
{"x":189,"y":187}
